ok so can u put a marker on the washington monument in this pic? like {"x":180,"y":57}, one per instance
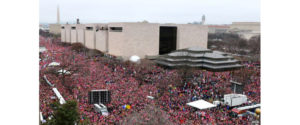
{"x":58,"y":15}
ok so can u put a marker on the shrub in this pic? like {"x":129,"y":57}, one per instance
{"x":65,"y":114}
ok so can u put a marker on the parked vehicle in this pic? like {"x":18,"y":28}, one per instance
{"x":101,"y":109}
{"x":234,"y":99}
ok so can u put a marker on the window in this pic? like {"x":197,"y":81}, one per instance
{"x":73,"y":28}
{"x":89,"y":28}
{"x":116,"y":29}
{"x":62,"y":27}
{"x":101,"y":28}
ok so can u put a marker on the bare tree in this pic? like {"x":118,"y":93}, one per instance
{"x":68,"y":67}
{"x":186,"y":74}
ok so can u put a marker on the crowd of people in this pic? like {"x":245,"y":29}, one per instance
{"x":130,"y":84}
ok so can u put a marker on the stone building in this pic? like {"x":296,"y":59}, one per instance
{"x":68,"y":33}
{"x":245,"y":29}
{"x":63,"y":33}
{"x":73,"y":34}
{"x":80,"y":31}
{"x":141,"y":39}
{"x":197,"y":57}
{"x":55,"y":28}
{"x":90,"y":36}
{"x":253,"y":26}
{"x":218,"y":28}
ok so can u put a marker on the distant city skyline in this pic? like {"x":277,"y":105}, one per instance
{"x":154,"y":11}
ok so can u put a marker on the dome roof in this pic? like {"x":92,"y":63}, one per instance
{"x":135,"y":59}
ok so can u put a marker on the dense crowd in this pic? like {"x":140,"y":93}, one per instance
{"x":128,"y":88}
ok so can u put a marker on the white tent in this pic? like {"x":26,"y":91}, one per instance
{"x":48,"y":81}
{"x":135,"y":59}
{"x":63,"y":71}
{"x":54,"y":64}
{"x":61,"y":99}
{"x":43,"y":49}
{"x":150,"y":97}
{"x":201,"y":104}
{"x":41,"y":118}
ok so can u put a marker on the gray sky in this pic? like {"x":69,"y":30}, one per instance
{"x":162,"y":11}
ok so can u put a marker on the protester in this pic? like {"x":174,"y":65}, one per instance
{"x":130,"y":85}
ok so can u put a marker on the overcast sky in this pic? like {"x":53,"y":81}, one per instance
{"x":162,"y":11}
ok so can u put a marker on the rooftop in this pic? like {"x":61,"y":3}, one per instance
{"x":200,"y":58}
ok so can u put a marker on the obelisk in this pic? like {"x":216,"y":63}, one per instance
{"x":58,"y":21}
